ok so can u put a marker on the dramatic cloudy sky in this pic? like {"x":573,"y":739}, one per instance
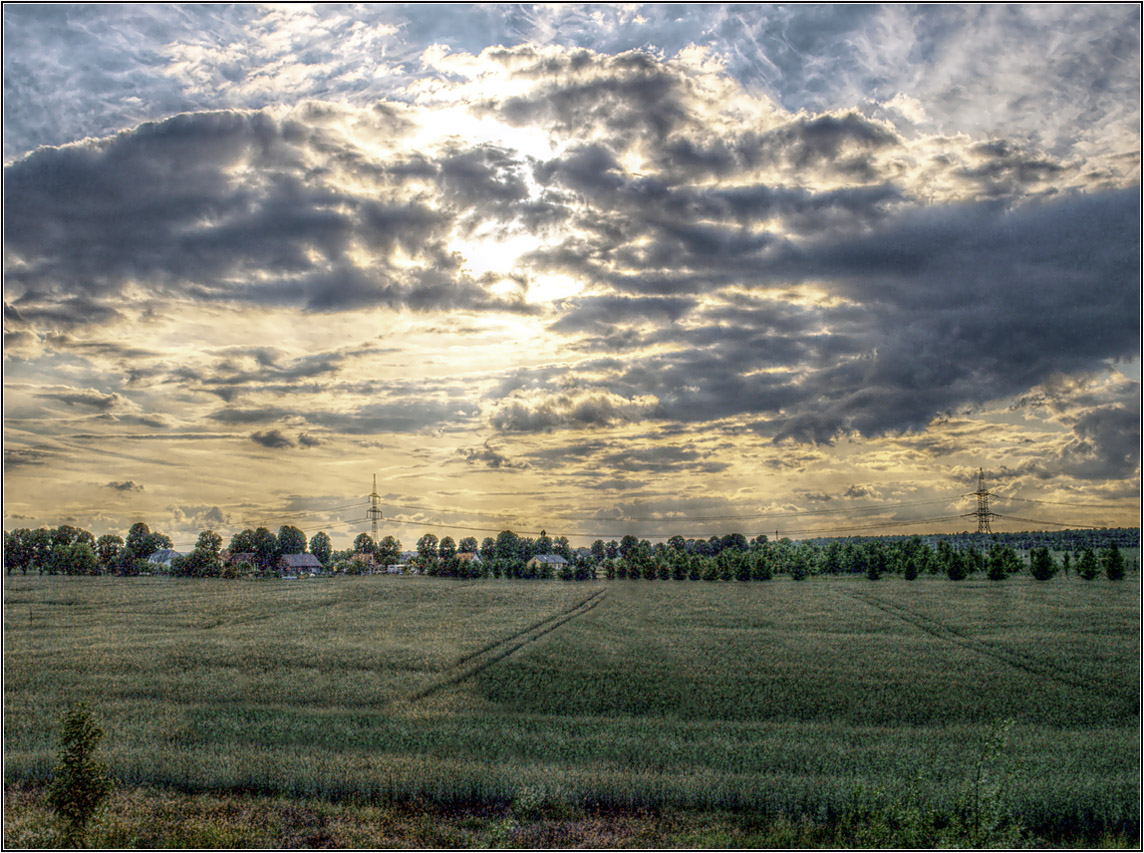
{"x":592,"y":269}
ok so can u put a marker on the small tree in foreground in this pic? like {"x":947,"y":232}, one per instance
{"x":1113,"y":562}
{"x":1086,"y":566}
{"x":79,"y":782}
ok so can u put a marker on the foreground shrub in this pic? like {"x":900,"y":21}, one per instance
{"x":79,"y":783}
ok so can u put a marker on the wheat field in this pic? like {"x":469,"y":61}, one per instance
{"x":775,"y":698}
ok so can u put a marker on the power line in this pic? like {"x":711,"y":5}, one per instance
{"x":1055,"y":523}
{"x":1063,"y":503}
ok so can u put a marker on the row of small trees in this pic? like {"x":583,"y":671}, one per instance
{"x":70,"y":550}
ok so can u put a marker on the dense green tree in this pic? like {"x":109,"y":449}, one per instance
{"x":1003,"y":561}
{"x":40,"y":540}
{"x":19,"y":550}
{"x":107,"y":548}
{"x":388,"y":551}
{"x":321,"y":547}
{"x":627,"y":545}
{"x":364,"y":544}
{"x":427,"y":546}
{"x":290,"y":540}
{"x":204,"y":561}
{"x":488,"y":549}
{"x":875,"y":560}
{"x":447,"y":548}
{"x":242,"y":543}
{"x":265,"y":549}
{"x":1086,"y":565}
{"x":1112,"y":561}
{"x":467,"y":545}
{"x":1041,"y":564}
{"x":79,"y":558}
{"x":507,"y":545}
{"x":139,"y":539}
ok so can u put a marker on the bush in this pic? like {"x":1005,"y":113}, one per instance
{"x":1086,"y":566}
{"x":1041,"y":564}
{"x":79,"y":782}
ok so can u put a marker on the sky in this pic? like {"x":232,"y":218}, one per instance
{"x":594,"y":270}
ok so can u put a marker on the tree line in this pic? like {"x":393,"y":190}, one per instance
{"x":257,"y":551}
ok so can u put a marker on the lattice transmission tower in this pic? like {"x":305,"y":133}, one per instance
{"x":983,"y":513}
{"x":374,"y":510}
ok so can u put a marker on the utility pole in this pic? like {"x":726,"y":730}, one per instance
{"x":374,"y":510}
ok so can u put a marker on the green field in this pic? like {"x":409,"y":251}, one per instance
{"x":769,"y":699}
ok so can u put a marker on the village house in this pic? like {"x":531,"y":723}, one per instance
{"x":552,"y":562}
{"x":163,"y":557}
{"x":299,"y":564}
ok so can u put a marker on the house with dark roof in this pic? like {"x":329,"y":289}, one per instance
{"x":299,"y":564}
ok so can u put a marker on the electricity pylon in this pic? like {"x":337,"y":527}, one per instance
{"x":983,"y":514}
{"x":374,"y":510}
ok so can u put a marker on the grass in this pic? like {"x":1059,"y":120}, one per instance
{"x":687,"y":714}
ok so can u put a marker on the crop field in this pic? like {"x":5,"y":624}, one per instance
{"x":776,"y":699}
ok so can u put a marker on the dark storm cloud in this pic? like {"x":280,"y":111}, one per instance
{"x":601,"y":312}
{"x":1007,"y":169}
{"x":631,"y":94}
{"x":161,"y":205}
{"x":839,"y":144}
{"x":485,"y":175}
{"x":945,"y":308}
{"x":274,"y":439}
{"x":1106,"y":445}
{"x":307,"y":440}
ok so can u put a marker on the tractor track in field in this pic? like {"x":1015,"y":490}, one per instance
{"x":1017,"y":660}
{"x":476,"y":662}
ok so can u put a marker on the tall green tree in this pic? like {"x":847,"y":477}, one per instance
{"x":321,"y":547}
{"x":447,"y":548}
{"x":19,"y":550}
{"x":388,"y":551}
{"x":205,"y":560}
{"x":264,"y":546}
{"x":138,"y":539}
{"x":290,"y":540}
{"x":364,"y":544}
{"x":468,"y":545}
{"x":507,"y":546}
